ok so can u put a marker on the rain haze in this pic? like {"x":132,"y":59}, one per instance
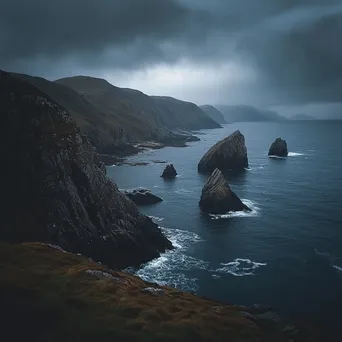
{"x":283,"y":55}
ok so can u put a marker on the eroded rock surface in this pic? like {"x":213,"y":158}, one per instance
{"x":169,"y":172}
{"x":228,"y":154}
{"x":142,"y":196}
{"x":54,"y":188}
{"x":218,"y":198}
{"x":278,"y":148}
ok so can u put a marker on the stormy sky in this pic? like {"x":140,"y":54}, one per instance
{"x":269,"y":53}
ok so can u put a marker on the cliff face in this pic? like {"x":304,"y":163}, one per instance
{"x":181,"y":114}
{"x":141,"y":117}
{"x":54,"y":188}
{"x":214,"y":114}
{"x":107,"y":128}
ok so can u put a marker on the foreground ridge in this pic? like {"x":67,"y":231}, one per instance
{"x":75,"y":299}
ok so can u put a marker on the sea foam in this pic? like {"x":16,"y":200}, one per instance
{"x":156,"y":219}
{"x":255,"y":210}
{"x":175,"y":268}
{"x":295,"y":154}
{"x":254,"y":168}
{"x":337,"y":268}
{"x":183,"y":192}
{"x":239,"y":267}
{"x":276,"y":157}
{"x":172,"y":267}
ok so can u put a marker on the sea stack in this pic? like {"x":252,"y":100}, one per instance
{"x":169,"y":172}
{"x":228,"y":154}
{"x":278,"y":148}
{"x":217,"y":197}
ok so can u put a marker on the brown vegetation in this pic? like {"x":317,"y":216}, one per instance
{"x":49,"y":295}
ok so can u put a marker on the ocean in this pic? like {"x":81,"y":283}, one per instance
{"x":286,"y":252}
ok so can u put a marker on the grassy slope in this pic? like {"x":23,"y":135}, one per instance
{"x":114,"y":117}
{"x":80,"y":108}
{"x":47,"y":296}
{"x":182,"y":114}
{"x":120,"y":108}
{"x":103,"y":126}
{"x":158,"y":112}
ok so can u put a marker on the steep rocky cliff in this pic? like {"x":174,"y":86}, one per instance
{"x":214,"y":114}
{"x":116,"y":118}
{"x":141,"y":117}
{"x":217,"y":196}
{"x":54,"y":188}
{"x":108,"y":129}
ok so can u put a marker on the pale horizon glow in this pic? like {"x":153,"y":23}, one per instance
{"x":187,"y":81}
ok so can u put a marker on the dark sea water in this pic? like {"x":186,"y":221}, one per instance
{"x":287,"y":252}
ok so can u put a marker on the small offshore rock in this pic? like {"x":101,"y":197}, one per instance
{"x":142,"y":197}
{"x":169,"y":172}
{"x":278,"y":148}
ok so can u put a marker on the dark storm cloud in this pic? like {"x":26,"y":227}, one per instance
{"x":93,"y":29}
{"x":292,"y":45}
{"x":301,"y":58}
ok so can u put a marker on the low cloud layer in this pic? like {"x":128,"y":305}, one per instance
{"x":266,"y":52}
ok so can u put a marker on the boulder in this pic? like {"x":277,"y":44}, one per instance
{"x":228,"y":154}
{"x":217,"y":197}
{"x":278,"y":148}
{"x":142,"y":197}
{"x":169,"y":171}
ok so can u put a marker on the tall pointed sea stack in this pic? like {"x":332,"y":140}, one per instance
{"x":217,"y":197}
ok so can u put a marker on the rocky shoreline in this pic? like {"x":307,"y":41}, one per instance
{"x":130,"y":149}
{"x":58,"y":204}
